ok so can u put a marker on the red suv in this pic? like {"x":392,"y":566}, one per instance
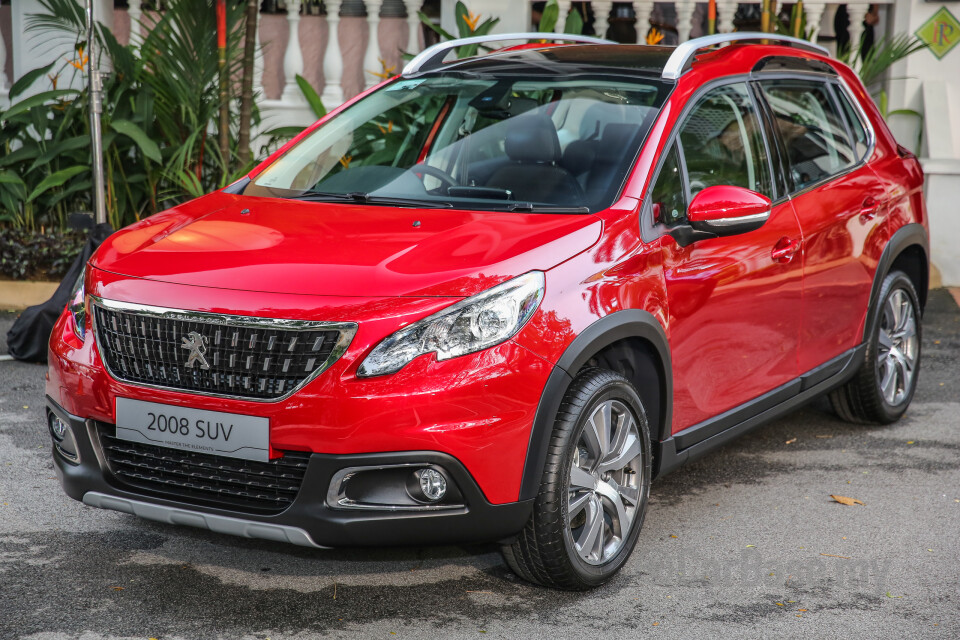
{"x":494,"y":298}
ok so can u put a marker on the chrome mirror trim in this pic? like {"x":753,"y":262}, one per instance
{"x":730,"y":222}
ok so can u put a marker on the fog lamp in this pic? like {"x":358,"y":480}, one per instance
{"x":432,"y":484}
{"x":58,"y":427}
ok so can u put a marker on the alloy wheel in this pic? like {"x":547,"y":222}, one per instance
{"x":898,"y":348}
{"x":605,"y":487}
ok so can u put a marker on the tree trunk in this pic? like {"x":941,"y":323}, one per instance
{"x":246,"y":82}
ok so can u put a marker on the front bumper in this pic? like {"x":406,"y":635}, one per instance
{"x":310,"y":520}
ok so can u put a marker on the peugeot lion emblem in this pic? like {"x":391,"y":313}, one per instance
{"x":197,"y":344}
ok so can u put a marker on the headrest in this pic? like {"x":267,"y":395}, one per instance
{"x":532,"y":138}
{"x":580,"y":156}
{"x":598,"y":116}
{"x":618,"y":136}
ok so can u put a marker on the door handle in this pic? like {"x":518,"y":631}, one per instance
{"x":869,"y":209}
{"x":785,"y":249}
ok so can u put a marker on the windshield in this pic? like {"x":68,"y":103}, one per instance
{"x":509,"y":143}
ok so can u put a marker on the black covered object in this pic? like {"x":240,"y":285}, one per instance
{"x":28,"y":337}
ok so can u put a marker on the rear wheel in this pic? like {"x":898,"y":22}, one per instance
{"x":593,"y":493}
{"x":884,"y":386}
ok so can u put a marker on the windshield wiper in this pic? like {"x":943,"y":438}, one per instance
{"x":359,"y":197}
{"x":529,"y":207}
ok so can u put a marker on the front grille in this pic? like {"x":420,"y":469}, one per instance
{"x":255,"y":358}
{"x":203,"y":479}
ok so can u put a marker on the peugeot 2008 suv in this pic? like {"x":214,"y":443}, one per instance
{"x":494,"y":298}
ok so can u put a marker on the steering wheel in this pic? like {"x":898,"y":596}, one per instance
{"x":426,"y":170}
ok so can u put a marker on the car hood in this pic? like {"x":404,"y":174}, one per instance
{"x":282,"y":246}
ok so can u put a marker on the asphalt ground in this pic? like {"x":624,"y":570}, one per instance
{"x":744,"y":543}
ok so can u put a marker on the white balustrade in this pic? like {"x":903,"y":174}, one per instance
{"x":135,"y":12}
{"x":564,"y":6}
{"x":726,"y":11}
{"x":685,"y":19}
{"x":293,"y":57}
{"x":814,"y":11}
{"x":643,"y":11}
{"x":371,"y":61}
{"x":332,"y":59}
{"x":414,"y":24}
{"x":601,"y":17}
{"x":856,"y":12}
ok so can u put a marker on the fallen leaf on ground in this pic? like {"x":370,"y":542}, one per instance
{"x":890,"y":596}
{"x":909,"y":441}
{"x":673,"y":536}
{"x":791,"y":441}
{"x":801,"y":609}
{"x":830,"y":555}
{"x":750,"y":545}
{"x":847,"y":501}
{"x":117,"y":588}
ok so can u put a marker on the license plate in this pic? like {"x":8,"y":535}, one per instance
{"x":213,"y":432}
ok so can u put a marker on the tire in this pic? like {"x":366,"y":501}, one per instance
{"x":883,"y":387}
{"x":583,"y":476}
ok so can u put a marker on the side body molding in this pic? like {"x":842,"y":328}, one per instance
{"x":621,"y":325}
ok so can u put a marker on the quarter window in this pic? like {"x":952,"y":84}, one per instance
{"x":812,"y":130}
{"x":723,"y":144}
{"x":856,"y":124}
{"x":667,"y":196}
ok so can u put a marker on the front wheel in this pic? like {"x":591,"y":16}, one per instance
{"x":884,"y":386}
{"x":593,"y":493}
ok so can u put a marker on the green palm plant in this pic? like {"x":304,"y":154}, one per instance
{"x":161,"y":116}
{"x":873,"y":65}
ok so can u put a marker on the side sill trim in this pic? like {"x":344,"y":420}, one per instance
{"x":700,"y":439}
{"x":218,"y":524}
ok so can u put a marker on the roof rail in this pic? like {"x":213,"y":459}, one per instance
{"x":682,"y":55}
{"x":432,"y":58}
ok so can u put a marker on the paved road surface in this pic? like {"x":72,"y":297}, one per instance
{"x":744,"y":543}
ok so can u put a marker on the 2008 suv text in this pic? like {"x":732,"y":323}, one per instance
{"x":494,"y":298}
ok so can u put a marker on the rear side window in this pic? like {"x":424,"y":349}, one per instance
{"x":723,"y":144}
{"x":813,"y":132}
{"x":856,"y":123}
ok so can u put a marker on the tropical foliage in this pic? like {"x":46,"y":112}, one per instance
{"x":468,"y":24}
{"x":160,"y":111}
{"x":550,"y":15}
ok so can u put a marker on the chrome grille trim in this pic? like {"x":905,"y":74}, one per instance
{"x":217,"y":320}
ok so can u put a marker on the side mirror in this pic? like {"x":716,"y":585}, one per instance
{"x":726,"y":210}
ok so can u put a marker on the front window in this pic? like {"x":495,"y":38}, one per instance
{"x":512,"y":143}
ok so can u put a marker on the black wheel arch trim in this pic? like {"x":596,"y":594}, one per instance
{"x":913,"y":234}
{"x":620,"y":325}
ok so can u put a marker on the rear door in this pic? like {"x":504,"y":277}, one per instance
{"x":734,"y":311}
{"x":837,"y":199}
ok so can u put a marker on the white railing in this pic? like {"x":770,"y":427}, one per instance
{"x":339,"y":53}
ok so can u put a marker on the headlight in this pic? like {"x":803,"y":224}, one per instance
{"x":77,"y":307}
{"x":477,"y":323}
